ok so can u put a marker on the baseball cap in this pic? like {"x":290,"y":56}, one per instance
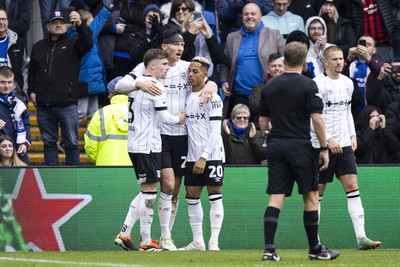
{"x":56,"y":15}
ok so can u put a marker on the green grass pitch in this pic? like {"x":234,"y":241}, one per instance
{"x":348,"y":257}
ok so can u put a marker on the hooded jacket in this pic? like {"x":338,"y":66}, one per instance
{"x":92,"y":78}
{"x":316,"y":59}
{"x":106,"y":139}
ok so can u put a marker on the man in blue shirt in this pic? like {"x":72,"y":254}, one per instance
{"x":247,"y":51}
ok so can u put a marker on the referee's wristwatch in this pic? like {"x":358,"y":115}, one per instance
{"x":324,"y":147}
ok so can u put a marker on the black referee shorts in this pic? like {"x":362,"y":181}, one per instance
{"x":291,"y":160}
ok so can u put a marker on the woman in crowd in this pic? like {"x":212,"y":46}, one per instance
{"x":243,"y":143}
{"x":375,"y":143}
{"x":8,"y":153}
{"x":185,"y":15}
{"x":340,"y":30}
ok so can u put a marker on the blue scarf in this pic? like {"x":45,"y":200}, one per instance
{"x":239,"y":131}
{"x":311,"y":68}
{"x":360,"y":74}
{"x":16,"y":107}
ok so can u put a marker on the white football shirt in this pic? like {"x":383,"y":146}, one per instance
{"x":144,"y":114}
{"x":336,"y":97}
{"x":176,"y":88}
{"x":203,"y":122}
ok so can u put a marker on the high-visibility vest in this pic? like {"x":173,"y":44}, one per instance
{"x":106,"y":138}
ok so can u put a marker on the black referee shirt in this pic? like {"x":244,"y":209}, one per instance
{"x":288,"y":100}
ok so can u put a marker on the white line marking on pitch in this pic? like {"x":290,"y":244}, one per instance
{"x":68,"y":262}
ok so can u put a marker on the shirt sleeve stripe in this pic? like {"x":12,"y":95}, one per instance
{"x":218,"y":118}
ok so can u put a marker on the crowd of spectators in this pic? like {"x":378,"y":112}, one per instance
{"x":88,"y":43}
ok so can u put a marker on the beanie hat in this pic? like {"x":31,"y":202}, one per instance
{"x":149,"y":8}
{"x":333,"y":2}
{"x":111,"y":85}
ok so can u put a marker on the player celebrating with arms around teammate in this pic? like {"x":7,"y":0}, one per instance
{"x":144,"y":147}
{"x":205,"y":157}
{"x":336,"y":91}
{"x":174,"y":137}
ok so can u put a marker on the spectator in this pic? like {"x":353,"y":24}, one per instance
{"x":275,"y":68}
{"x":316,"y":31}
{"x":299,"y":36}
{"x":392,"y":115}
{"x":148,"y":36}
{"x":339,"y":30}
{"x":231,"y":17}
{"x":56,"y":96}
{"x":198,"y":36}
{"x":342,"y":6}
{"x":396,"y":32}
{"x":115,"y":38}
{"x":385,"y":89}
{"x":283,"y":20}
{"x":92,"y":76}
{"x":106,"y":138}
{"x":13,"y":53}
{"x":304,"y":8}
{"x":375,"y":18}
{"x":375,"y":142}
{"x":19,"y":15}
{"x":359,"y":64}
{"x":47,"y":9}
{"x":14,"y":115}
{"x":176,"y":14}
{"x":247,"y":52}
{"x":8,"y":154}
{"x":242,"y":142}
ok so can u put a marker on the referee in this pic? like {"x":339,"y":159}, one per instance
{"x":287,"y":103}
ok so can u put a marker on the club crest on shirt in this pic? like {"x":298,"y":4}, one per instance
{"x":183,"y":75}
{"x":216,"y":103}
{"x":201,"y":106}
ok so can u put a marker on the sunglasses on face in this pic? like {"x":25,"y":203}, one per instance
{"x":183,"y":9}
{"x":242,"y":118}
